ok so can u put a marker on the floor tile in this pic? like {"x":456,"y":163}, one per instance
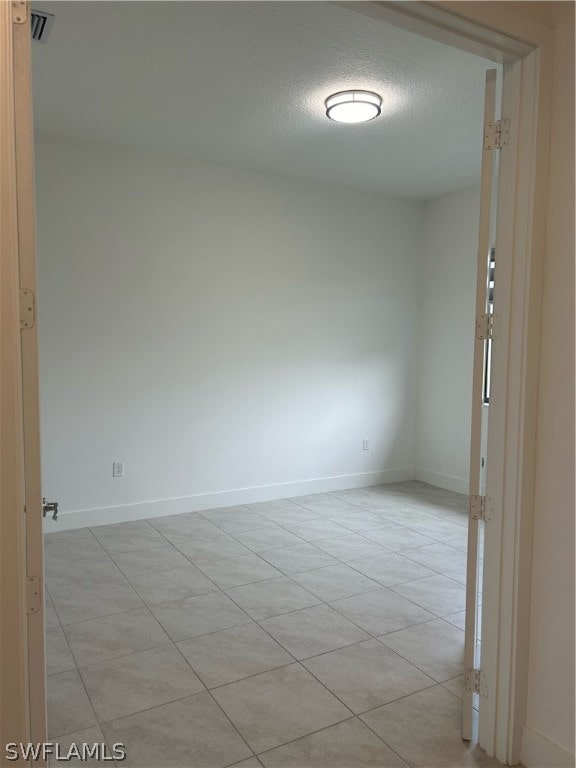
{"x":58,"y":655}
{"x":437,"y":739}
{"x":204,"y":551}
{"x":137,"y":682}
{"x":233,"y":654}
{"x":67,"y":537}
{"x":199,"y":615}
{"x":361,"y":520}
{"x":398,"y":537}
{"x":356,"y":496}
{"x":346,"y":745}
{"x":273,"y":507}
{"x":134,"y":563}
{"x":190,"y":525}
{"x":237,"y":520}
{"x":164,"y":586}
{"x":268,"y":538}
{"x":66,"y":568}
{"x":350,"y":547}
{"x":93,"y":594}
{"x":279,"y":706}
{"x":69,"y":709}
{"x":404,"y":543}
{"x":368,"y":498}
{"x":300,"y":557}
{"x":271,"y":597}
{"x":189,"y":733}
{"x":224,"y":513}
{"x":436,"y":647}
{"x":436,"y":556}
{"x":316,"y":530}
{"x":63,"y":550}
{"x":381,"y":611}
{"x":312,"y":631}
{"x":73,"y":741}
{"x":437,"y":594}
{"x":407,"y":516}
{"x":441,"y":529}
{"x":124,"y":537}
{"x":239,"y":570}
{"x":460,"y":543}
{"x":112,"y":636}
{"x":367,"y":675}
{"x":457,"y":619}
{"x":458,"y":574}
{"x":456,"y":686}
{"x":323,"y":502}
{"x":252,"y":762}
{"x":184,"y":539}
{"x":391,"y":568}
{"x":50,"y":616}
{"x":335,"y":582}
{"x":295,"y":513}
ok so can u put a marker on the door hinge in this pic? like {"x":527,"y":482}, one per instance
{"x":487,"y":326}
{"x":476,"y":681}
{"x":27,"y":309}
{"x":33,"y":594}
{"x":481,"y":508}
{"x":497,"y":134}
{"x":19,"y":11}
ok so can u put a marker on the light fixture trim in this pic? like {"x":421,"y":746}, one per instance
{"x":353,"y":106}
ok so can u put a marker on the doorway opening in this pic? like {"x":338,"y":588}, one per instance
{"x":233,"y":518}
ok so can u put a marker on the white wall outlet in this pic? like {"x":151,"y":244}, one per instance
{"x":365,"y":444}
{"x":117,"y":469}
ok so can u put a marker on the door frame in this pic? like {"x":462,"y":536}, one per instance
{"x":492,"y":30}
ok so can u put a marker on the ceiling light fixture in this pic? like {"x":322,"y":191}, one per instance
{"x":353,"y":106}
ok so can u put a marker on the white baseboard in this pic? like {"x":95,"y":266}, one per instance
{"x":439,"y":479}
{"x":81,"y":518}
{"x":539,"y":752}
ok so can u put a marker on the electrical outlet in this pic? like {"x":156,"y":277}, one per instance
{"x":118,"y":469}
{"x":365,"y":444}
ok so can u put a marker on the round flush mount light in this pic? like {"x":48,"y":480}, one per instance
{"x":353,"y":106}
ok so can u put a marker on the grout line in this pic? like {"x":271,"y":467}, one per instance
{"x":404,"y":760}
{"x":209,"y":692}
{"x":306,"y":735}
{"x":104,"y":616}
{"x":327,"y":728}
{"x":412,"y":663}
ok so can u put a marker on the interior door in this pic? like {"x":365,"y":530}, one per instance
{"x":30,"y":399}
{"x":479,"y":509}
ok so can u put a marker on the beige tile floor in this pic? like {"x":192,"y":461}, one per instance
{"x":323,"y":630}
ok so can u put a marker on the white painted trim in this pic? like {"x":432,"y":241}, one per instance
{"x":540,"y":752}
{"x":162,"y":507}
{"x":441,"y":480}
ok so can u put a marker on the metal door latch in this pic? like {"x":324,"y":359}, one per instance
{"x":50,"y":506}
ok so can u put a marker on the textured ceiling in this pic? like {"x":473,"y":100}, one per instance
{"x":243,"y":84}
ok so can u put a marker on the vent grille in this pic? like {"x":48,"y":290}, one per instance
{"x":41,"y":22}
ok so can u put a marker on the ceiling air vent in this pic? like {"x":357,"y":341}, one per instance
{"x":41,"y":24}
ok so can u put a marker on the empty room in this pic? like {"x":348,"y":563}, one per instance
{"x":258,"y":231}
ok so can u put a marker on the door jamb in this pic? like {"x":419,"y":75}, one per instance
{"x":14,"y":703}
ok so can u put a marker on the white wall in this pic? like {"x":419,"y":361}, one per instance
{"x":548,"y":740}
{"x":218,"y":330}
{"x":448,"y":305}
